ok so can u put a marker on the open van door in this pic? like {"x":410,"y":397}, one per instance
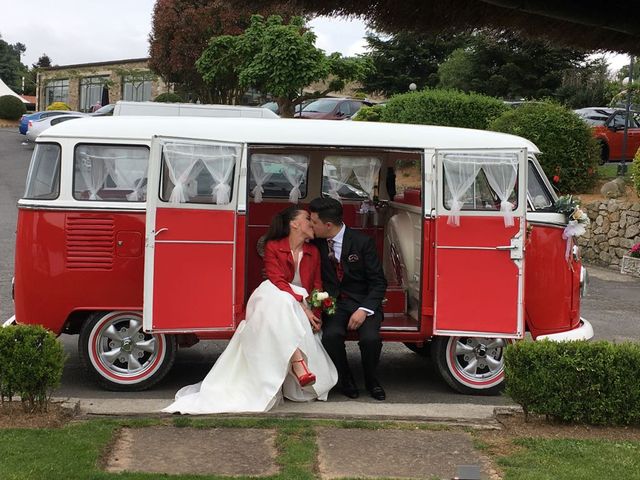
{"x":480,"y":237}
{"x":191,"y":234}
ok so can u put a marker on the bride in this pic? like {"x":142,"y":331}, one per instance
{"x":277,"y":350}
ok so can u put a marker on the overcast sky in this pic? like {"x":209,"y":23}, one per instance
{"x":87,"y":31}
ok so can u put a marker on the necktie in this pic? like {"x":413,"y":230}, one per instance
{"x":332,"y":256}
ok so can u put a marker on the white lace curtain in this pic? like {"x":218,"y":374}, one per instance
{"x":185,"y":161}
{"x":338,"y":169}
{"x":461,"y":171}
{"x":293,"y":167}
{"x":126,"y":167}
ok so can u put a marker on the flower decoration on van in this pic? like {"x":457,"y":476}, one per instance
{"x":635,"y":251}
{"x":577,"y":219}
{"x":323,"y":301}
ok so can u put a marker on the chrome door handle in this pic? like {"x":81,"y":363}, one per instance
{"x":507,"y":247}
{"x":155,"y":234}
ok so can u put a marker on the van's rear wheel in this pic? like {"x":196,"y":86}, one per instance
{"x":471,"y":365}
{"x":120,"y":356}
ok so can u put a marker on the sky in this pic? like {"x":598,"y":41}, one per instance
{"x":88,"y":31}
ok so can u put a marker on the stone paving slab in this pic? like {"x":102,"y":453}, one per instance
{"x":396,"y":453}
{"x":216,"y":451}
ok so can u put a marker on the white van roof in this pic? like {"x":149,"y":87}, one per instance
{"x":190,"y":110}
{"x":284,"y":132}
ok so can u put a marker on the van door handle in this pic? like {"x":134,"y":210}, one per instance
{"x":507,"y":247}
{"x":155,"y":234}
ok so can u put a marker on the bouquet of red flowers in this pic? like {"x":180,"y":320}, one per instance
{"x":323,"y":301}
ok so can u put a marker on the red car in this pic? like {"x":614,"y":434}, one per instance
{"x":608,"y":128}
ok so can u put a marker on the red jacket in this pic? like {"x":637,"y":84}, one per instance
{"x":280,"y":269}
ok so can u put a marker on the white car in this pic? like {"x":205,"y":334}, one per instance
{"x":36,"y":127}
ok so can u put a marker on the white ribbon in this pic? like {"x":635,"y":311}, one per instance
{"x":222,"y":192}
{"x":257,"y":193}
{"x":454,"y":216}
{"x":506,"y":208}
{"x":573,"y":229}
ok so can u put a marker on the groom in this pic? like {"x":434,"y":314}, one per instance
{"x":352,"y":273}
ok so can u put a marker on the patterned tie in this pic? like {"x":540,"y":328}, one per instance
{"x":332,"y":256}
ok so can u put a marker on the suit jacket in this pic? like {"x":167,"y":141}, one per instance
{"x":280,"y":269}
{"x":363,"y":280}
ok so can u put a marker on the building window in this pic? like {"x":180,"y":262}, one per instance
{"x":137,"y":87}
{"x":91,"y":92}
{"x":56,"y":91}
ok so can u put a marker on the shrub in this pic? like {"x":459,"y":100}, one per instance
{"x":635,"y":171}
{"x":569,"y":153}
{"x":11,"y":108}
{"x":31,"y":363}
{"x":58,"y":106}
{"x":168,"y":98}
{"x":369,"y":114}
{"x":583,"y":382}
{"x":443,"y":107}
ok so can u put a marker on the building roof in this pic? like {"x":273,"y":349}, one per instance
{"x":285,"y":132}
{"x":95,"y":64}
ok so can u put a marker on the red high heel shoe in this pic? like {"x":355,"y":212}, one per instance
{"x":307,"y":378}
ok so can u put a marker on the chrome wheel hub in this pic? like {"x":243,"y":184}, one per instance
{"x":479,"y":358}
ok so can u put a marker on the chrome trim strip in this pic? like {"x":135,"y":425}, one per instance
{"x":213,"y":242}
{"x":66,"y":208}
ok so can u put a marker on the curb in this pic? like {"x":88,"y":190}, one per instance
{"x":465,"y":414}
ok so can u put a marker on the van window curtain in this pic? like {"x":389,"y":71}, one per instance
{"x":294,"y":170}
{"x":292,"y":167}
{"x":337,"y":170}
{"x":260,"y":172}
{"x":183,"y":166}
{"x":502,"y":173}
{"x":460,"y":173}
{"x":94,"y":170}
{"x":366,"y":170}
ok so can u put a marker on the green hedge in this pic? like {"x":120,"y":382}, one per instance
{"x":31,"y":364}
{"x":168,"y":98}
{"x":569,"y":153}
{"x":635,"y":171}
{"x":582,"y":382}
{"x":11,"y":108}
{"x":443,"y":107}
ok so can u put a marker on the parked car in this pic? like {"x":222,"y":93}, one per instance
{"x":332,"y":108}
{"x":273,"y":106}
{"x":105,"y":111}
{"x":39,"y":126}
{"x":607,"y":126}
{"x":24,"y":120}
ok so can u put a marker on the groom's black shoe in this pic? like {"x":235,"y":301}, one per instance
{"x":349,"y":389}
{"x":376,"y":391}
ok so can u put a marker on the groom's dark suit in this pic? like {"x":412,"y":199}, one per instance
{"x":363,"y":285}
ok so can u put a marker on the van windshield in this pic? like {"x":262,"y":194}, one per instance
{"x":43,"y":179}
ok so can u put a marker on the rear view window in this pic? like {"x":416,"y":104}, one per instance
{"x":110,"y":173}
{"x":43,"y":180}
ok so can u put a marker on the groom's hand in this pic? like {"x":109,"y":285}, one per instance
{"x":357,"y":318}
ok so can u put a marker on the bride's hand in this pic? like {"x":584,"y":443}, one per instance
{"x":315,"y":322}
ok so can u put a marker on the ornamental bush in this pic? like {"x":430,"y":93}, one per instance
{"x":31,"y":363}
{"x":369,"y":114}
{"x":11,"y":108}
{"x":569,"y":153}
{"x":58,"y":106}
{"x":581,"y":382}
{"x":443,"y":107}
{"x":635,"y":171}
{"x":168,"y":98}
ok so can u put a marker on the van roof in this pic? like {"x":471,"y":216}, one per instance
{"x":284,"y":132}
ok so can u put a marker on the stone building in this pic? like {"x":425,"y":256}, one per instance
{"x":83,"y":86}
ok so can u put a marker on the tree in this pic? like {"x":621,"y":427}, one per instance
{"x":43,"y":61}
{"x":276,"y":58}
{"x":11,"y":69}
{"x":406,"y":58}
{"x":181,"y":30}
{"x":502,"y":64}
{"x":587,"y":85}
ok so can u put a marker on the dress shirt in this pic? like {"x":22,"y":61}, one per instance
{"x":337,"y":251}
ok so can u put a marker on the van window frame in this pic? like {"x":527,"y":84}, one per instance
{"x":58,"y":175}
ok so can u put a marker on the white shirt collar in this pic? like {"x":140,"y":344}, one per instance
{"x":340,"y":235}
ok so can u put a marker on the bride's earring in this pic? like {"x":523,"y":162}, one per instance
{"x":307,"y":378}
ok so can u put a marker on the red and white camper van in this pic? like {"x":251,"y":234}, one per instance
{"x":142,"y":235}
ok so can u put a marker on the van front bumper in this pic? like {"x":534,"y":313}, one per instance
{"x":11,"y":321}
{"x":583,"y":332}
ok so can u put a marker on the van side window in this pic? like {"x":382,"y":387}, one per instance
{"x":110,"y":173}
{"x":350,"y":177}
{"x":198,"y":173}
{"x":479,"y":183}
{"x":278,"y":176}
{"x":540,"y":196}
{"x":43,"y":180}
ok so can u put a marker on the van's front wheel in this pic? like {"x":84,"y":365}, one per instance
{"x":120,"y":356}
{"x":471,"y":365}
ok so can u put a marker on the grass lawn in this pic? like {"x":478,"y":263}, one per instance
{"x":610,"y":171}
{"x":75,"y":451}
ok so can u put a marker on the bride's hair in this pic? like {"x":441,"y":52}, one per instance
{"x":279,"y":227}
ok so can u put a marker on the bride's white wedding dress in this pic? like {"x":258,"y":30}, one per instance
{"x":254,"y":370}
